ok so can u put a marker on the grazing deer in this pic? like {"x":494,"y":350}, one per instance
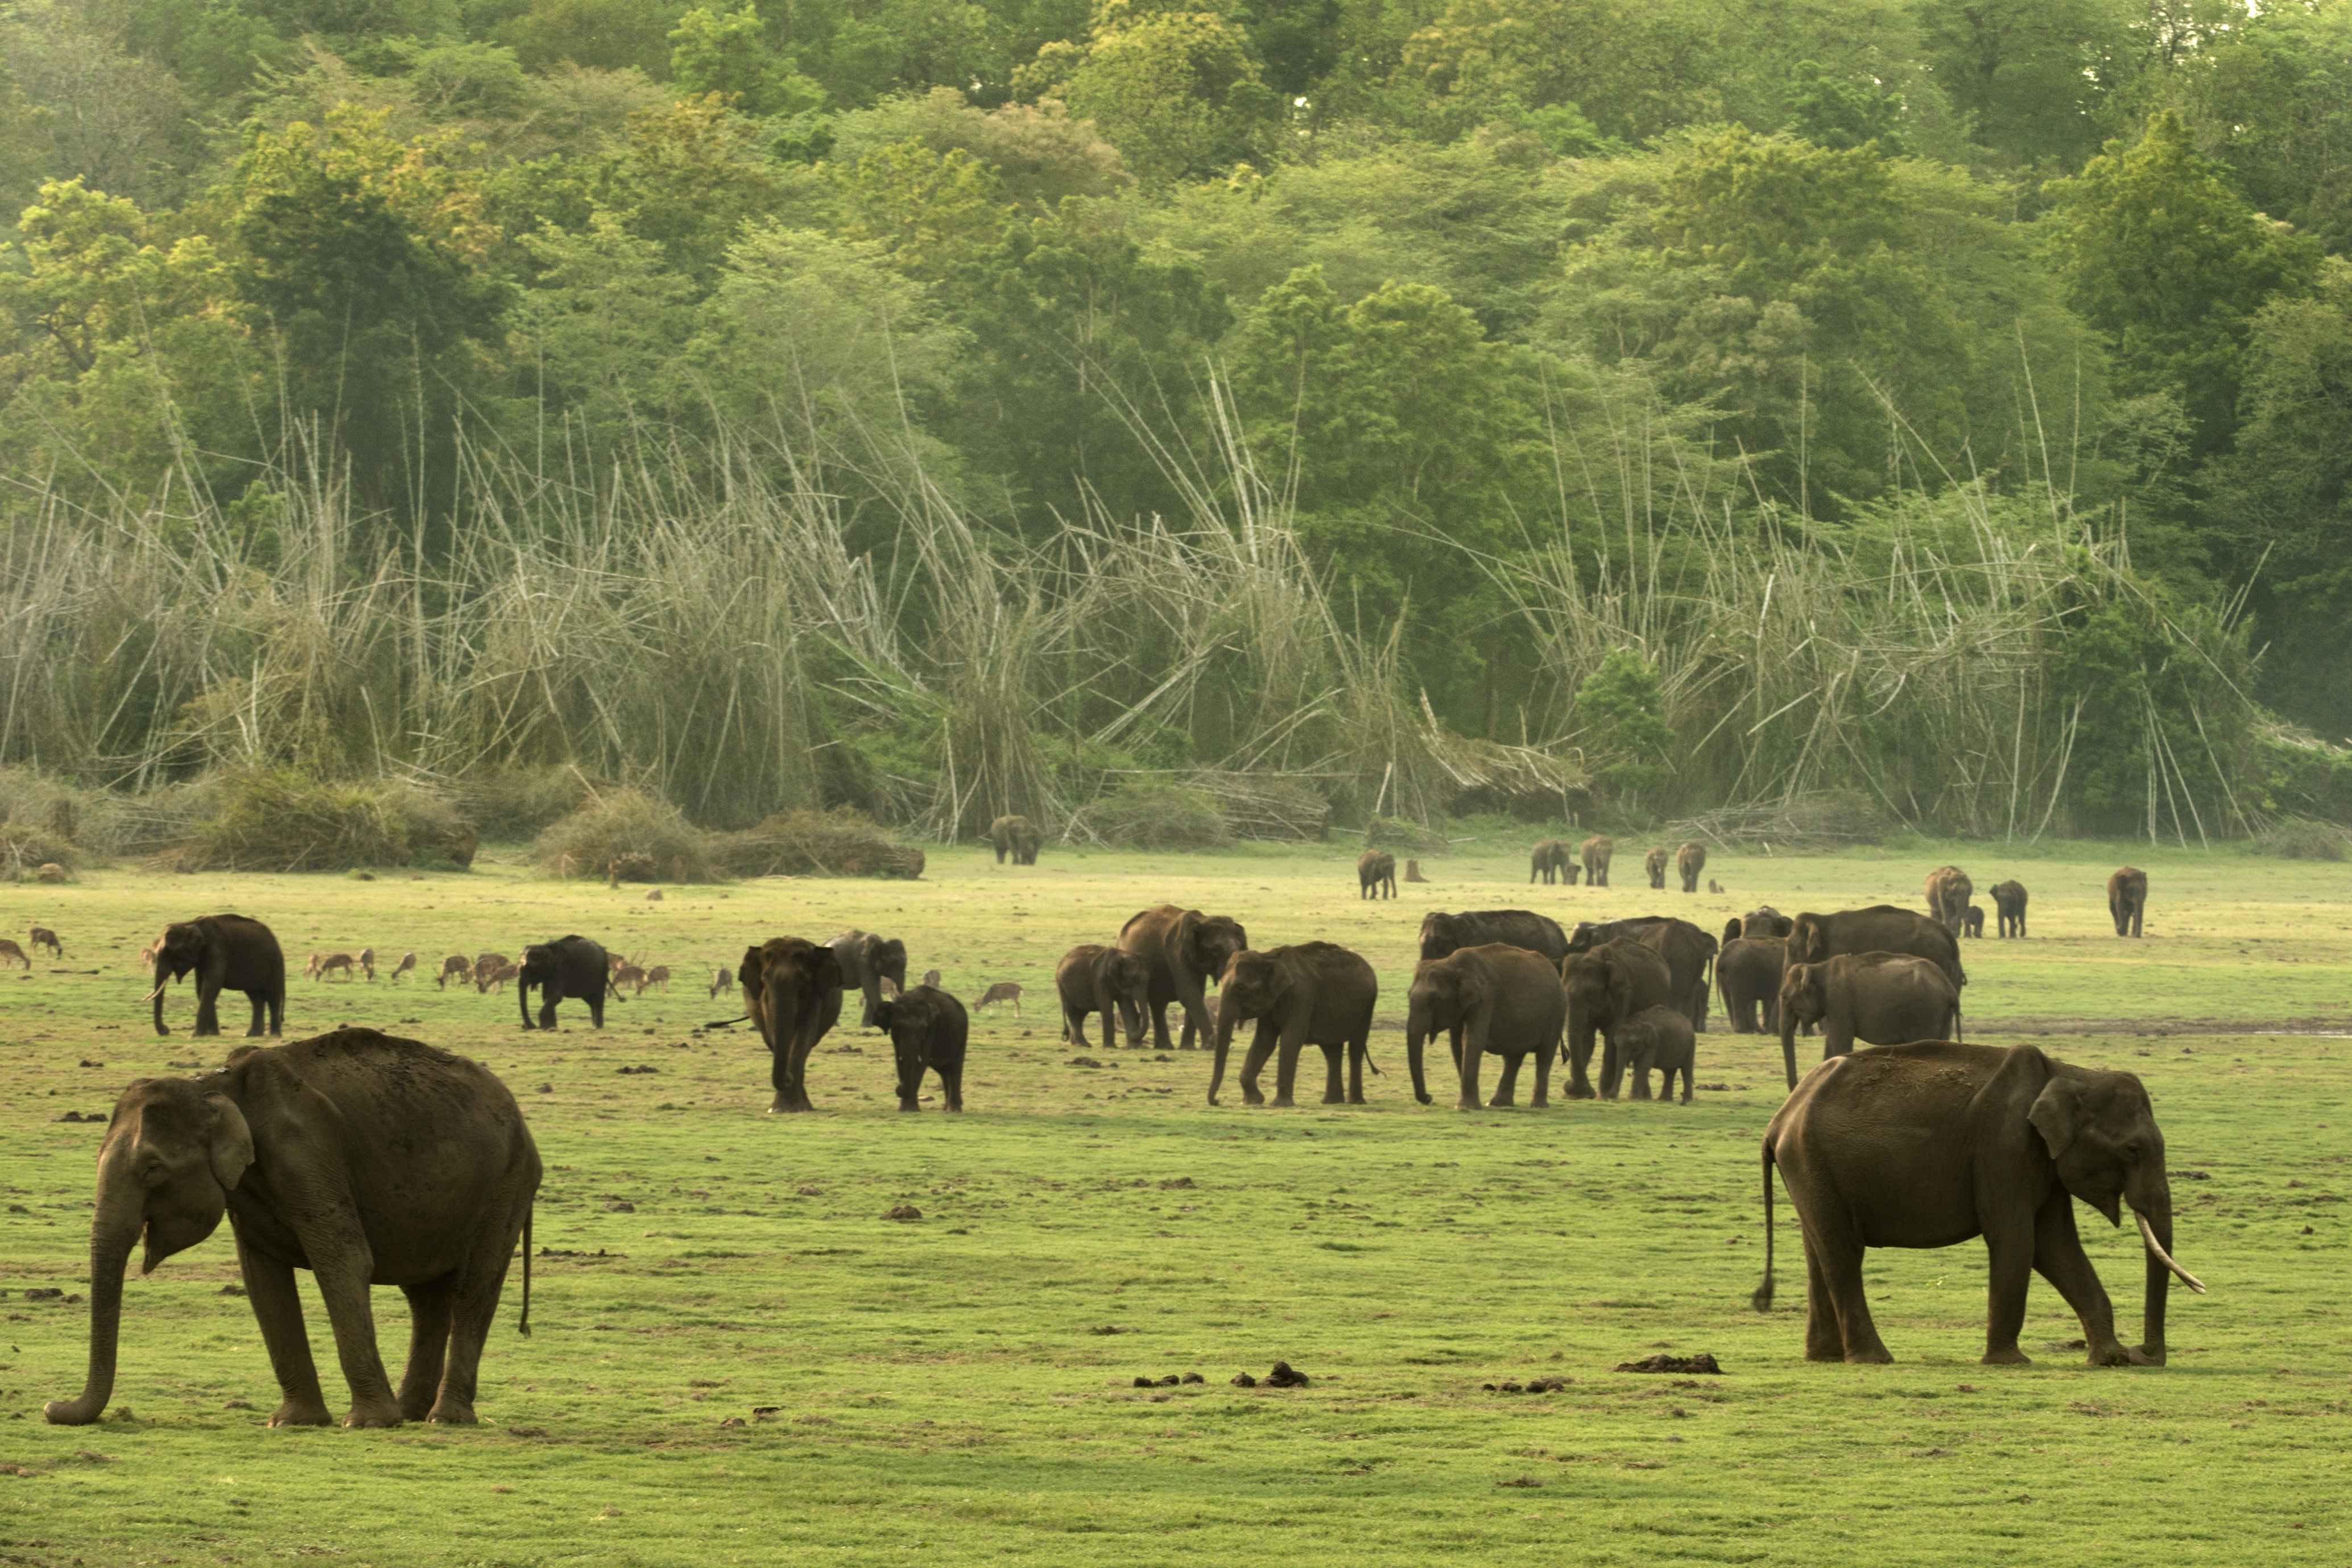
{"x":889,"y":986}
{"x":42,"y":936}
{"x":456,"y":964}
{"x":406,"y":965}
{"x":499,"y":976}
{"x":486,"y":964}
{"x":367,"y":962}
{"x":1002,"y":991}
{"x":931,"y":978}
{"x":613,"y":961}
{"x":721,"y":980}
{"x":656,"y":976}
{"x":147,"y":955}
{"x":629,"y":977}
{"x":9,"y":950}
{"x":335,"y":961}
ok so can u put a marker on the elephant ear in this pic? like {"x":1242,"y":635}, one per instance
{"x":825,"y":967}
{"x":1188,"y":932}
{"x":1473,"y":984}
{"x":2059,"y":1115}
{"x":230,"y":1148}
{"x":1621,"y":986}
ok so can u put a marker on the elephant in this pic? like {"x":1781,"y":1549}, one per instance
{"x":1659,"y":1038}
{"x":1591,"y":933}
{"x":2009,"y":903}
{"x":1655,"y":863}
{"x":1972,"y":923}
{"x":1929,"y":1144}
{"x":1885,"y":999}
{"x":566,"y":967}
{"x":1313,"y":993}
{"x":1595,"y":853}
{"x":1689,"y":861}
{"x":1443,"y":934}
{"x":1111,"y":981}
{"x":1948,"y":892}
{"x":1689,"y":953}
{"x":927,"y":1029}
{"x":2126,"y":899}
{"x":1880,"y":928}
{"x":228,"y":953}
{"x":366,"y":1159}
{"x":1605,"y":986}
{"x":1015,"y":836}
{"x":1184,"y":950}
{"x":1547,"y":860}
{"x":791,"y":990}
{"x":867,"y":960}
{"x":1765,"y":921}
{"x":1494,"y":997}
{"x":1748,"y":972}
{"x":1376,"y":875}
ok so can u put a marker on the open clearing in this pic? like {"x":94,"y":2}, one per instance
{"x":960,"y":1388}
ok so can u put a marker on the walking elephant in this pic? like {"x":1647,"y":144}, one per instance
{"x":1184,"y":950}
{"x":1655,"y":864}
{"x":929,"y":1029}
{"x":1883,"y":999}
{"x":867,"y":960}
{"x":1659,"y":1038}
{"x":1930,"y":1144}
{"x":1948,"y":892}
{"x":1605,"y":986}
{"x":2127,"y":899}
{"x":1748,"y":972}
{"x":2008,"y":903}
{"x":566,"y":967}
{"x":792,"y":989}
{"x":1880,"y":928}
{"x":1547,"y":860}
{"x":225,"y":953}
{"x":1015,"y":836}
{"x":1313,"y":993}
{"x":1443,"y":934}
{"x":1595,"y":853}
{"x":1492,"y":997}
{"x":1111,"y":981}
{"x":1376,"y":875}
{"x":365,"y":1159}
{"x":1689,"y":861}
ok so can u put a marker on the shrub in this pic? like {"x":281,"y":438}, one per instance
{"x":617,"y":823}
{"x":1150,"y":815}
{"x":25,"y":849}
{"x":840,"y":842}
{"x":514,"y":805}
{"x":33,"y":800}
{"x":2300,"y":839}
{"x":1394,"y":833}
{"x":284,"y":820}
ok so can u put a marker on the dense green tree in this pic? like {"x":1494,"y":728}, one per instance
{"x":2032,"y":80}
{"x":726,"y":54}
{"x":1621,"y":717}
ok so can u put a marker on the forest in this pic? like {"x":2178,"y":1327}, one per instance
{"x":1583,"y":409}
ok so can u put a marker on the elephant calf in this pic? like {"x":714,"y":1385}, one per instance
{"x":1885,"y":998}
{"x":929,"y":1029}
{"x":1748,"y":971}
{"x":1659,"y":1038}
{"x":1093,"y":978}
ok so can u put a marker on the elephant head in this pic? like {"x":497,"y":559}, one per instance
{"x":1804,"y":1002}
{"x":1809,"y":940}
{"x":172,"y":1156}
{"x":1207,"y":943}
{"x":907,"y":1017}
{"x":1440,"y":934}
{"x":1252,"y":987}
{"x":1123,"y":980}
{"x":1447,"y":994}
{"x":1598,"y":983}
{"x":182,"y":948}
{"x":1733,"y":930}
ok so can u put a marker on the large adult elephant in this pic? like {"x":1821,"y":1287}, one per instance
{"x":225,"y":953}
{"x":1313,"y":993}
{"x":365,"y":1159}
{"x":1493,"y":998}
{"x":1930,"y":1144}
{"x":1444,"y":933}
{"x":1595,"y":853}
{"x":1655,"y":864}
{"x":2127,"y":899}
{"x":1880,"y":928}
{"x":1748,"y":972}
{"x":1689,"y":953}
{"x":1689,"y":861}
{"x":1591,"y":933}
{"x":1184,"y":950}
{"x":1882,"y":999}
{"x":792,"y":989}
{"x":1605,"y":986}
{"x":1547,"y":860}
{"x":1948,"y":891}
{"x":1092,"y":978}
{"x":1016,"y":836}
{"x":867,"y":960}
{"x":567,"y":967}
{"x":1765,"y":921}
{"x":2008,"y":901}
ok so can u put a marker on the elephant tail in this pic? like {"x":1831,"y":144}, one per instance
{"x":523,"y":1328}
{"x":1762,"y":1299}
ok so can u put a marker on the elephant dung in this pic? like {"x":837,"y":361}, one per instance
{"x":1699,"y":1363}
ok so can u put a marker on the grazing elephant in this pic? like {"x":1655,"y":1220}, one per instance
{"x":1880,"y":928}
{"x":1111,"y":981}
{"x":566,"y":967}
{"x":1376,"y":875}
{"x":1015,"y":836}
{"x":1883,"y":999}
{"x":927,"y":1030}
{"x":1595,"y":853}
{"x":1547,"y":860}
{"x":1184,"y":950}
{"x":1689,"y":861}
{"x":1314,"y":993}
{"x":1605,"y":986}
{"x":792,"y":989}
{"x":1689,"y":953}
{"x":2127,"y":899}
{"x":226,"y":952}
{"x":1659,"y":1038}
{"x":1929,"y":1144}
{"x":867,"y":960}
{"x":1748,"y":972}
{"x":1493,"y":998}
{"x":2008,"y":902}
{"x":1972,"y":924}
{"x":1655,"y":863}
{"x":365,"y":1159}
{"x":1443,"y":934}
{"x":1948,"y":892}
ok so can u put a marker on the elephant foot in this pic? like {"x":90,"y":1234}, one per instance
{"x":370,"y":1417}
{"x":1355,"y":1099}
{"x":1538,"y":1104}
{"x":2119,"y":1355}
{"x":2143,"y":1356}
{"x":1579,"y":1092}
{"x":1251,"y":1097}
{"x":453,"y":1413}
{"x":903,"y":1105}
{"x":1333,"y":1100}
{"x":781,"y":1106}
{"x":1869,"y":1356}
{"x":2009,"y":1356}
{"x":1281,"y":1103}
{"x":293,"y":1415}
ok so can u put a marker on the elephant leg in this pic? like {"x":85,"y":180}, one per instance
{"x":951,"y":1084}
{"x":1638,"y":1070}
{"x":474,"y":1298}
{"x":1159,"y":1011}
{"x":1358,"y":1049}
{"x":430,"y":1308}
{"x":1612,"y":1064}
{"x":1579,"y":1058}
{"x":1833,"y":1270}
{"x":341,"y":1264}
{"x":2009,"y":1250}
{"x":208,"y":1009}
{"x":1507,"y":1083}
{"x":2058,"y":1257}
{"x":1335,"y":1090}
{"x":1543,"y":1075}
{"x":596,"y":1010}
{"x":277,"y":1309}
{"x":911,"y":1081}
{"x":260,"y":1013}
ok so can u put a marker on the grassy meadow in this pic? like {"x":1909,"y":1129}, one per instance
{"x":736,"y":1359}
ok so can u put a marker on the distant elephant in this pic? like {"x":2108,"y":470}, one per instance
{"x":1184,"y":949}
{"x":1880,"y":928}
{"x":1605,"y":986}
{"x":1689,"y":953}
{"x":1443,"y":932}
{"x":2008,"y":901}
{"x":226,"y":952}
{"x":1313,"y":993}
{"x":1595,"y":853}
{"x":927,"y":1029}
{"x":867,"y":960}
{"x":1111,"y":981}
{"x":1929,"y":1144}
{"x":1493,"y":998}
{"x":1655,"y":864}
{"x":1547,"y":860}
{"x":365,"y":1159}
{"x":565,"y":968}
{"x":792,"y":989}
{"x":1376,"y":875}
{"x":1948,"y":892}
{"x":1015,"y":836}
{"x":1748,"y":972}
{"x":1659,"y":1038}
{"x":1885,"y":999}
{"x":2127,"y":899}
{"x":1972,"y":924}
{"x":1689,"y":861}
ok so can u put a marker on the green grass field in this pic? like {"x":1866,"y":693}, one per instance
{"x":736,"y":1359}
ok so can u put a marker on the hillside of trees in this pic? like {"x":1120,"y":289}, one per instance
{"x":945,"y":408}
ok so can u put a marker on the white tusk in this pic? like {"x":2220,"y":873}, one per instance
{"x":2148,"y":1234}
{"x":154,"y":994}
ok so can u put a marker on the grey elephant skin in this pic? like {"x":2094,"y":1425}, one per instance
{"x":2008,"y":903}
{"x":225,"y":953}
{"x":1748,"y":973}
{"x":1549,"y":860}
{"x":1496,"y":998}
{"x":1596,"y":851}
{"x":1659,"y":1038}
{"x":791,"y":990}
{"x":1689,"y":953}
{"x":2127,"y":899}
{"x":1314,"y":993}
{"x":928,"y":1031}
{"x":1655,"y":864}
{"x":1690,"y":860}
{"x":367,"y":1160}
{"x":867,"y":960}
{"x":1444,"y":933}
{"x":1376,"y":875}
{"x":1605,"y":986}
{"x":1880,"y":928}
{"x":1093,"y":978}
{"x":1017,"y":837}
{"x":1881,"y":999}
{"x":1948,"y":891}
{"x":1184,"y":950}
{"x":1934,"y":1143}
{"x":568,"y":968}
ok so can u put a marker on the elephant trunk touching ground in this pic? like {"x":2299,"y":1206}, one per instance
{"x":113,"y":1230}
{"x":2155,"y":1235}
{"x":1418,"y":1031}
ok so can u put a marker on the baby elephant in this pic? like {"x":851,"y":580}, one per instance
{"x":927,"y":1029}
{"x":1659,"y":1038}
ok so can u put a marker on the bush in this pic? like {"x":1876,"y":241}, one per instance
{"x":1396,"y":834}
{"x":840,"y":842}
{"x":2301,"y":839}
{"x":617,"y":823}
{"x":34,"y":800}
{"x":149,"y":824}
{"x":514,"y":805}
{"x":25,"y":849}
{"x":1155,"y":816}
{"x":284,"y":820}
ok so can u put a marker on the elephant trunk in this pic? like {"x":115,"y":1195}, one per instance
{"x":1789,"y":1043}
{"x":113,"y":1232}
{"x":2156,"y":1233}
{"x":1130,"y":1013}
{"x":163,"y":978}
{"x":1416,"y":1034}
{"x":1227,"y":1016}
